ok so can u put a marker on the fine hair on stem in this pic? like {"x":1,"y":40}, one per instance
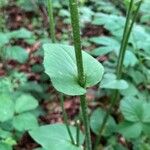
{"x":73,"y":4}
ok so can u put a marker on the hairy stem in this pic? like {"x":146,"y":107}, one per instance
{"x":51,"y":20}
{"x":79,"y":61}
{"x":126,"y":36}
{"x":77,"y":40}
{"x":66,"y":118}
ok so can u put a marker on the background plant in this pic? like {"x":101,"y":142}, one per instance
{"x":25,"y":28}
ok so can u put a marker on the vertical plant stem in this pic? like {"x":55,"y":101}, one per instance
{"x":78,"y":132}
{"x":52,"y":33}
{"x":79,"y":61}
{"x":77,"y":40}
{"x":113,"y":100}
{"x":130,"y":30}
{"x":123,"y":44}
{"x":126,"y":35}
{"x":86,"y":122}
{"x":66,"y":118}
{"x":51,"y":20}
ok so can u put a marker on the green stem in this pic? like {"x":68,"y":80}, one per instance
{"x":86,"y":122}
{"x":77,"y":40}
{"x":126,"y":35}
{"x":79,"y":61}
{"x":78,"y":133}
{"x":105,"y":119}
{"x":123,"y":44}
{"x":130,"y":29}
{"x":51,"y":20}
{"x":66,"y":119}
{"x":52,"y":32}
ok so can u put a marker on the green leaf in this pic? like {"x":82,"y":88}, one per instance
{"x":146,"y":128}
{"x":137,"y":76}
{"x":4,"y":146}
{"x":137,"y":115}
{"x":2,"y":5}
{"x":25,"y":102}
{"x":6,"y":107}
{"x":27,"y":6}
{"x":100,"y":51}
{"x":96,"y":122}
{"x":40,"y":149}
{"x":113,"y":23}
{"x":128,"y":57}
{"x":37,"y":68}
{"x":57,"y":137}
{"x":109,"y":81}
{"x":130,"y":129}
{"x":21,"y":33}
{"x":108,"y":43}
{"x":5,"y":85}
{"x":10,"y":141}
{"x":146,"y":112}
{"x":4,"y":134}
{"x":15,"y":53}
{"x":140,"y":39}
{"x":60,"y":65}
{"x":135,"y":110}
{"x":25,"y":121}
{"x":130,"y":91}
{"x":132,"y":109}
{"x":32,"y":87}
{"x":4,"y":39}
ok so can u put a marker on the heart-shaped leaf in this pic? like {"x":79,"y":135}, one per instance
{"x":60,"y":65}
{"x":25,"y":121}
{"x":96,"y":122}
{"x":137,"y":116}
{"x":25,"y":102}
{"x":132,"y":109}
{"x":56,"y":137}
